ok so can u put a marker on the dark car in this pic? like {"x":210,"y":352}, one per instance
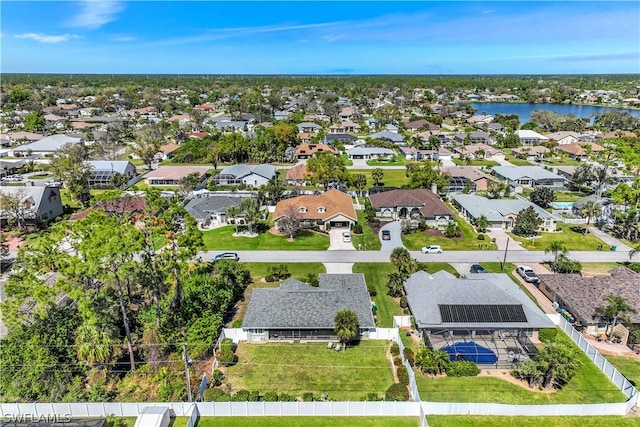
{"x":386,"y":235}
{"x":477,"y":268}
{"x":227,"y":255}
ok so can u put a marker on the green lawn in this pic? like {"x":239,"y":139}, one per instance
{"x":376,"y":275}
{"x":589,"y":385}
{"x":599,"y":267}
{"x":347,"y":161}
{"x":569,"y":196}
{"x":572,"y":241}
{"x":487,"y":163}
{"x":391,"y":178}
{"x":222,"y":239}
{"x":558,"y":161}
{"x":516,"y":161}
{"x":433,"y":267}
{"x":367,"y":241}
{"x":41,"y":176}
{"x":308,"y":421}
{"x":299,"y":368}
{"x":395,"y":161}
{"x":468,"y":242}
{"x":555,"y":421}
{"x":628,"y":367}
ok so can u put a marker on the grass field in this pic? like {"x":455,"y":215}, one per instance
{"x":367,"y":241}
{"x":395,"y":161}
{"x":376,"y":276}
{"x":561,"y":161}
{"x":628,"y":367}
{"x":572,"y":240}
{"x":489,"y":421}
{"x":222,"y":239}
{"x":589,"y":385}
{"x":486,"y":163}
{"x":516,"y":161}
{"x":391,"y":178}
{"x":468,"y":242}
{"x":308,"y":421}
{"x":299,"y":368}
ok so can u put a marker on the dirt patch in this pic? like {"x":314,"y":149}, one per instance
{"x":438,"y":233}
{"x":506,"y":375}
{"x":277,"y":232}
{"x":14,"y":242}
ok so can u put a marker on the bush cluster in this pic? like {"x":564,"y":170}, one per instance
{"x":548,"y":334}
{"x":397,"y":392}
{"x":403,"y":375}
{"x":395,"y":349}
{"x":462,"y":368}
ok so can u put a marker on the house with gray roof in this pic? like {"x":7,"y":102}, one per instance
{"x":309,"y":127}
{"x":388,"y":135}
{"x":362,"y":152}
{"x":489,"y":310}
{"x":46,"y":145}
{"x":528,"y":176}
{"x":102,"y":172}
{"x":250,"y":175}
{"x":299,"y":311}
{"x":211,"y":208}
{"x":501,"y":213}
{"x":530,"y":137}
{"x":36,"y":205}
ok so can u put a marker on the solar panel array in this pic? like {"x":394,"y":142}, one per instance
{"x":486,"y":313}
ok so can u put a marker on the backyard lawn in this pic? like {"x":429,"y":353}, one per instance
{"x":391,"y":178}
{"x":469,"y":240}
{"x":367,"y":241}
{"x":486,"y":163}
{"x":555,"y":421}
{"x":572,"y":240}
{"x":628,"y":367}
{"x":376,"y":275}
{"x":222,"y":239}
{"x":516,"y":161}
{"x":309,"y":421}
{"x":311,"y":367}
{"x":589,"y":385}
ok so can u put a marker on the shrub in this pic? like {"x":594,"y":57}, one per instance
{"x":307,"y":397}
{"x":403,"y":302}
{"x":217,"y":377}
{"x":357,"y":228}
{"x":481,"y":237}
{"x":312,"y":279}
{"x":397,"y":392}
{"x":408,"y":354}
{"x":285,"y":397}
{"x":237,"y":323}
{"x":270,"y":396}
{"x":403,"y":375}
{"x":227,"y":357}
{"x":548,"y":334}
{"x":279,"y":272}
{"x":452,"y":229}
{"x":372,"y":290}
{"x":254,"y":396}
{"x":215,"y":395}
{"x":397,"y":361}
{"x":372,"y":397}
{"x":241,"y":396}
{"x":462,"y":368}
{"x":395,"y":349}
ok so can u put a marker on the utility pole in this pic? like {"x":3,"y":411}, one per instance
{"x":187,"y":362}
{"x":506,"y":248}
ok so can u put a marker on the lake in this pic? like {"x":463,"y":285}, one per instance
{"x":524,"y":110}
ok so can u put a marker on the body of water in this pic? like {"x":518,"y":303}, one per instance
{"x":524,"y":110}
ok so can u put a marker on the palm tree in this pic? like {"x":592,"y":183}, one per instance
{"x":232,"y":214}
{"x":614,"y":310}
{"x":557,"y":248}
{"x":590,"y":209}
{"x":401,"y":259}
{"x":395,"y":284}
{"x":377,"y":175}
{"x":94,"y":344}
{"x":346,"y":325}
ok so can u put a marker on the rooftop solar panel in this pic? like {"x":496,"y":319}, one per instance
{"x":486,"y":313}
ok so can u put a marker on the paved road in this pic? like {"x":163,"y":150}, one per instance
{"x":448,"y":256}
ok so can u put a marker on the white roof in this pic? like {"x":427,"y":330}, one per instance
{"x":49,"y":144}
{"x":109,"y":165}
{"x":526,"y":133}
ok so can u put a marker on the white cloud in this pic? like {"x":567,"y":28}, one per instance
{"x":95,"y":14}
{"x":46,"y":38}
{"x":124,"y":38}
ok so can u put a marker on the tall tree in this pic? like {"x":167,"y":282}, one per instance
{"x":527,"y":222}
{"x":377,"y":175}
{"x":346,"y":325}
{"x":402,"y":261}
{"x":69,"y":166}
{"x":590,"y":209}
{"x":542,"y":196}
{"x":324,"y":168}
{"x":557,"y":248}
{"x":615,"y":309}
{"x":147,"y":145}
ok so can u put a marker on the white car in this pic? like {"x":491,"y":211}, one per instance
{"x":527,"y":274}
{"x":431,"y":249}
{"x":346,"y":237}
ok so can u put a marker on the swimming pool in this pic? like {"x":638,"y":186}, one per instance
{"x":561,"y":205}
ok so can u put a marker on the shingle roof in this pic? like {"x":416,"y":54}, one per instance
{"x":368,"y":151}
{"x":298,"y":305}
{"x":297,"y":172}
{"x":242,"y":170}
{"x":49,"y":144}
{"x":496,"y":209}
{"x":426,"y":292}
{"x":470,"y":172}
{"x":310,"y":149}
{"x":334,"y":201}
{"x":201,"y":207}
{"x":109,"y":165}
{"x":430,"y":204}
{"x":516,"y":172}
{"x":176,"y":172}
{"x":582,"y":295}
{"x":526,"y":133}
{"x":385,"y":134}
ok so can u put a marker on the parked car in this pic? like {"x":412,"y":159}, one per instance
{"x":227,"y":255}
{"x":346,"y":237}
{"x":431,"y":249}
{"x":386,"y":235}
{"x":477,"y":268}
{"x":527,"y":274}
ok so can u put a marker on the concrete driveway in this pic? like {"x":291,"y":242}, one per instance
{"x":336,"y":242}
{"x":501,"y":237}
{"x":396,"y":241}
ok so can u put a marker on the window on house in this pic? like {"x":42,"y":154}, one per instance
{"x":321,"y":209}
{"x":302,"y":209}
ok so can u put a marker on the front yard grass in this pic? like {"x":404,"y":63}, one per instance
{"x":391,"y":178}
{"x":628,"y":367}
{"x":572,"y":240}
{"x":589,"y":385}
{"x":555,"y":421}
{"x":559,"y":161}
{"x":222,"y":239}
{"x":309,"y":421}
{"x":395,"y":161}
{"x":311,"y":367}
{"x":376,"y":275}
{"x":368,"y":240}
{"x":468,"y":242}
{"x":486,"y":163}
{"x":516,"y":161}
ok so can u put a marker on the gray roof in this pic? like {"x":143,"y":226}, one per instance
{"x":516,"y":172}
{"x":602,"y":201}
{"x":49,"y":144}
{"x":109,"y":165}
{"x":242,"y":170}
{"x":426,"y":292}
{"x":385,"y":134}
{"x":496,"y":209}
{"x":367,"y":151}
{"x":298,"y":305}
{"x":201,"y":207}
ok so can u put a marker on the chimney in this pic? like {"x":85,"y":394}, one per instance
{"x":434,"y":188}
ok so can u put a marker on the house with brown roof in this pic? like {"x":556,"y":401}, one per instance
{"x":580,"y":151}
{"x":171,"y":175}
{"x":418,"y":203}
{"x":345,"y":127}
{"x":305,"y":151}
{"x":480,"y":151}
{"x":581,"y":296}
{"x":564,"y":137}
{"x":533,"y":152}
{"x":417,"y":125}
{"x":466,"y":178}
{"x":332,"y":207}
{"x":296,"y":175}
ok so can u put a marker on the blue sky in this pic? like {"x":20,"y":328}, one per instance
{"x":330,"y":37}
